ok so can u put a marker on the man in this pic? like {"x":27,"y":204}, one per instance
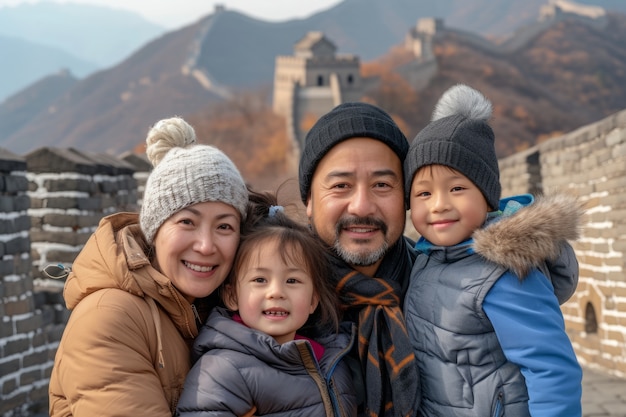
{"x":352,"y":185}
{"x":351,"y":182}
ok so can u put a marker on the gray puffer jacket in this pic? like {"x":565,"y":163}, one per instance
{"x":465,"y":369}
{"x":243,"y":372}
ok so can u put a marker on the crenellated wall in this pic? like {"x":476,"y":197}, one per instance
{"x":52,"y":199}
{"x":591,"y":163}
{"x":70,"y":191}
{"x":26,"y":339}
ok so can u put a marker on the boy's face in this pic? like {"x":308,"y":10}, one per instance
{"x":446,"y":207}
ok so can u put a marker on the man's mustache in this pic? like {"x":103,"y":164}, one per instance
{"x":346,"y":222}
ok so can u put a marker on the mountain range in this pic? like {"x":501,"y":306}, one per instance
{"x":565,"y":76}
{"x":569,"y":71}
{"x":31,"y":61}
{"x":40,"y":39}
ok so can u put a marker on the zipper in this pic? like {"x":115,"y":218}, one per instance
{"x":334,"y":394}
{"x":498,"y":409}
{"x":197,"y":316}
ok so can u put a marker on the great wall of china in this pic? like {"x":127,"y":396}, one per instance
{"x":52,"y":199}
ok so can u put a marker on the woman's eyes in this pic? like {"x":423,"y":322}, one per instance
{"x":222,"y":226}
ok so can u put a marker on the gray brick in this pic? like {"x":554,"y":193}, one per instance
{"x":14,"y":288}
{"x":61,"y":220}
{"x":56,"y":256}
{"x":66,"y":238}
{"x":90,"y":220}
{"x":63,"y":203}
{"x":6,"y":330}
{"x":93,"y":203}
{"x":17,"y":246}
{"x":11,"y":161}
{"x":7,"y":227}
{"x":30,"y":377}
{"x":22,"y":222}
{"x":9,"y":386}
{"x":34,"y":359}
{"x":29,"y":324}
{"x":74,"y":184}
{"x":13,"y":184}
{"x":23,"y":306}
{"x":6,"y":204}
{"x":10,"y":366}
{"x":7,"y":267}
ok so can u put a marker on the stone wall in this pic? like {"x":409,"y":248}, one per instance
{"x":590,"y":163}
{"x":51,"y":200}
{"x":70,"y":191}
{"x":26,"y":345}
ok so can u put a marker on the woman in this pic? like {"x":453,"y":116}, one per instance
{"x":138,"y":290}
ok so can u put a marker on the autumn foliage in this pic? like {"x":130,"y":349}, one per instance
{"x":245,"y":128}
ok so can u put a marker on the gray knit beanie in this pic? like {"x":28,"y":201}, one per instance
{"x":459,"y":137}
{"x":346,"y":121}
{"x":185,"y":173}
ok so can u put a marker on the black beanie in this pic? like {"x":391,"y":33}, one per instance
{"x":458,"y":137}
{"x":346,"y":121}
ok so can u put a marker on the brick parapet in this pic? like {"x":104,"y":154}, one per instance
{"x":23,"y":358}
{"x":70,"y":192}
{"x":50,"y":202}
{"x":590,"y":163}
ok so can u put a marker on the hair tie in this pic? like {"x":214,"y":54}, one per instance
{"x":274,"y":210}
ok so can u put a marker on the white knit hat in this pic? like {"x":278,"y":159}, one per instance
{"x":185,"y":173}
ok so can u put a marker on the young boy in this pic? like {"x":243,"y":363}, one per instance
{"x":482,"y":317}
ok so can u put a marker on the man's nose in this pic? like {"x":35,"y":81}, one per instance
{"x":362,"y":203}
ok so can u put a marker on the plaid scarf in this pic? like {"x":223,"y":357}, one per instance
{"x":385,"y":353}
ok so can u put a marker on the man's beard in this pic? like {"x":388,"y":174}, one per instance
{"x":359,"y":258}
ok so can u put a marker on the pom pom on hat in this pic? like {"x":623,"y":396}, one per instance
{"x":464,"y":101}
{"x":184,"y":174}
{"x":459,"y":136}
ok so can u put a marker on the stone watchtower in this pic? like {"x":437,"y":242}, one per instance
{"x":312,"y":81}
{"x":419,"y":39}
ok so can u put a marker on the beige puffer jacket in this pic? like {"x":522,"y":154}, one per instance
{"x":125,"y":349}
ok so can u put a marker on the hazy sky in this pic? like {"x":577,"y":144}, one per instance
{"x":175,"y":13}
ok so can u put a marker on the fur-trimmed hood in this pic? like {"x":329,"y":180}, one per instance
{"x":532,"y":234}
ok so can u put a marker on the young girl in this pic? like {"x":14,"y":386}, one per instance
{"x":256,"y":359}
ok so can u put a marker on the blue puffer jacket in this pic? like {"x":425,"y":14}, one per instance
{"x":242,"y":371}
{"x":484,"y":321}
